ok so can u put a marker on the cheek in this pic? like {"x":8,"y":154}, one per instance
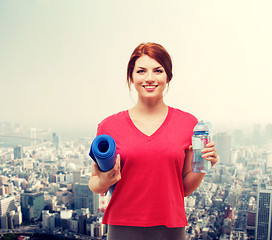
{"x":163,"y":80}
{"x":136,"y":80}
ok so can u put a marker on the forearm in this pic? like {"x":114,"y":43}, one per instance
{"x":191,"y":182}
{"x":96,"y":186}
{"x":100,"y":182}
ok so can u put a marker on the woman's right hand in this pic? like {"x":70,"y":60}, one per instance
{"x":107,"y":179}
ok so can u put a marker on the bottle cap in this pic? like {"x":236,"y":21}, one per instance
{"x":201,"y":127}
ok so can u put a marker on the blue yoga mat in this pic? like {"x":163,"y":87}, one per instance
{"x":103,"y":152}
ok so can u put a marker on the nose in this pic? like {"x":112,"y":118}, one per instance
{"x":149,"y":77}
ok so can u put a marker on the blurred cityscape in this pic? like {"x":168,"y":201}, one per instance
{"x":44,"y":187}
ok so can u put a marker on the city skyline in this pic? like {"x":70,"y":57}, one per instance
{"x":55,"y":175}
{"x":63,"y":64}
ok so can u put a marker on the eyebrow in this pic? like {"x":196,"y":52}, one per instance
{"x":153,"y":68}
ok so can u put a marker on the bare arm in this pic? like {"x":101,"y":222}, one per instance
{"x":100,"y":181}
{"x":192,"y":180}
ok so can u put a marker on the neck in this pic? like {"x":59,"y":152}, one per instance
{"x":150,"y":107}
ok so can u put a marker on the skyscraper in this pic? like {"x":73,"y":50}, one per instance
{"x":76,"y":176}
{"x":85,"y":198}
{"x":268,"y":131}
{"x":264,"y":215}
{"x":7,"y":204}
{"x":55,"y":138}
{"x":32,"y":204}
{"x":33,"y":135}
{"x":223,"y":147}
{"x":18,"y":152}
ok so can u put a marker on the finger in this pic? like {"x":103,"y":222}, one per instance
{"x":95,"y":167}
{"x":207,"y":150}
{"x":210,"y":154}
{"x":213,"y":161}
{"x":115,"y":173}
{"x":94,"y":164}
{"x":116,"y":167}
{"x":118,"y":175}
{"x":211,"y":158}
{"x":117,"y":163}
{"x":210,"y":144}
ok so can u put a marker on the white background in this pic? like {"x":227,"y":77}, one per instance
{"x":63,"y":63}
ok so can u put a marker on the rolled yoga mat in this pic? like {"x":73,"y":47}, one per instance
{"x":103,"y":152}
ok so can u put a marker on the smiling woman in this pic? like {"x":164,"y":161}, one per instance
{"x":153,"y":166}
{"x":154,"y":51}
{"x":149,"y":77}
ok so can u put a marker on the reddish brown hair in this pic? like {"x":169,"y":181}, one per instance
{"x":155,"y":51}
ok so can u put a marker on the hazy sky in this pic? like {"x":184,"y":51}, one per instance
{"x":63,"y":63}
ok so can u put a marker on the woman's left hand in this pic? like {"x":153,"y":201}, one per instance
{"x":209,"y":153}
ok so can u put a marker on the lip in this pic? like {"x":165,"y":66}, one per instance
{"x":149,"y":88}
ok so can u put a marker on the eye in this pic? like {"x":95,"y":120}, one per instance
{"x":158,"y":71}
{"x":141,"y":71}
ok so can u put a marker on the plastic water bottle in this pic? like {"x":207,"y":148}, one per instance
{"x":200,"y":139}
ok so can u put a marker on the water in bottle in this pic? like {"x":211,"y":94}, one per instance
{"x":200,"y":138}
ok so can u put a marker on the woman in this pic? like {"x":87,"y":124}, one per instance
{"x":153,"y":166}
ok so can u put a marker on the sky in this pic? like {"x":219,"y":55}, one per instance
{"x":63,"y":63}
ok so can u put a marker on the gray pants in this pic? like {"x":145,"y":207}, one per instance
{"x":145,"y":233}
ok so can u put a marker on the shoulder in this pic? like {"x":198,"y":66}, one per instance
{"x":183,"y":123}
{"x":112,"y":118}
{"x":185,"y":116}
{"x":111,"y":122}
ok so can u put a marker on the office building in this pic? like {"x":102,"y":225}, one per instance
{"x":32,"y":204}
{"x":3,"y":190}
{"x":4,"y":222}
{"x":55,"y":139}
{"x":264,"y":215}
{"x":85,"y":198}
{"x":268,"y":131}
{"x":257,"y":138}
{"x":18,"y":218}
{"x":65,"y":216}
{"x":267,"y":158}
{"x":48,"y":220}
{"x":18,"y":152}
{"x":3,"y":180}
{"x":7,"y":204}
{"x":28,"y":164}
{"x":74,"y":224}
{"x":76,"y":176}
{"x":82,"y":223}
{"x":223,"y":147}
{"x":33,"y":136}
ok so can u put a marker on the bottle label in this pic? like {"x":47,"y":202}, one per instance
{"x":199,"y":143}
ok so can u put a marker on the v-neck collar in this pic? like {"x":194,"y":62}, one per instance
{"x":156,"y":133}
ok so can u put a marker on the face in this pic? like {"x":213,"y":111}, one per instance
{"x":149,"y":78}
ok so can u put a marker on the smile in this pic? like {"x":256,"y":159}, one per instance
{"x":150,"y":86}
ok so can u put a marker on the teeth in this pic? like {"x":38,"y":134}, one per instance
{"x":149,"y":87}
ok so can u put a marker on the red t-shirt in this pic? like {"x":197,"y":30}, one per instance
{"x":150,"y":192}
